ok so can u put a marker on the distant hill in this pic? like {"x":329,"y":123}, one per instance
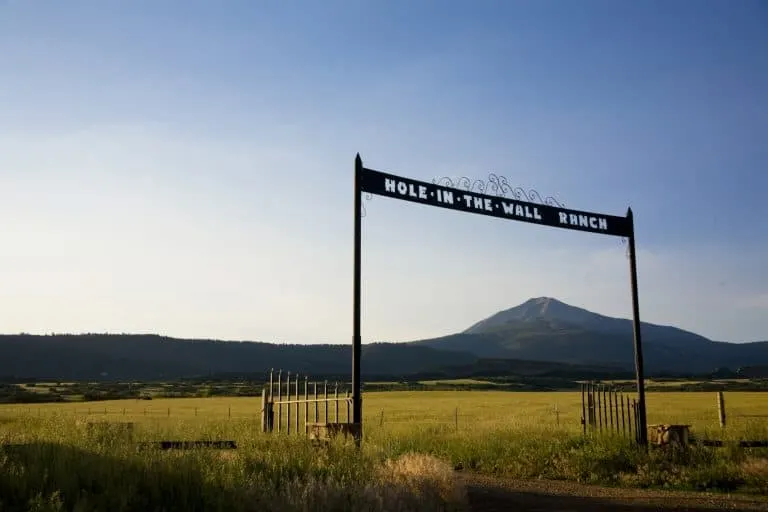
{"x":546,"y":329}
{"x":542,"y":337}
{"x":151,"y":357}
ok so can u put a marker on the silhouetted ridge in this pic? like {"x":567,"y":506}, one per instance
{"x":541,"y":329}
{"x":546,"y":329}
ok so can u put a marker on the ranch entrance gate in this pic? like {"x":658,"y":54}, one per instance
{"x":495,"y":198}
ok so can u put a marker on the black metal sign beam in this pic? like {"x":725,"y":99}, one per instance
{"x":398,"y":187}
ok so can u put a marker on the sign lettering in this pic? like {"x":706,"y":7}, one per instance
{"x":389,"y":185}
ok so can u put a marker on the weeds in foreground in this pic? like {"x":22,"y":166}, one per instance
{"x":54,"y":464}
{"x":556,"y":455}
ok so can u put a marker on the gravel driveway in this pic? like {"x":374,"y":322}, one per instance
{"x":491,"y":494}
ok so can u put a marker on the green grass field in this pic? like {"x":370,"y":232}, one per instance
{"x":388,"y":411}
{"x":514,"y":434}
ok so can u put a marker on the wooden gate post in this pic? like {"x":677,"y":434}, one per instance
{"x":721,"y":408}
{"x":264,"y":412}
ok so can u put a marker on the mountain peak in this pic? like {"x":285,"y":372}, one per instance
{"x":535,"y":309}
{"x":547,"y":329}
{"x":543,"y":302}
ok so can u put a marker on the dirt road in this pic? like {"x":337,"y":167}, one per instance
{"x":489,"y":494}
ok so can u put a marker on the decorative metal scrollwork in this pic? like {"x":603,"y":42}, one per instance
{"x":625,"y":242}
{"x":497,"y":186}
{"x":367,"y":196}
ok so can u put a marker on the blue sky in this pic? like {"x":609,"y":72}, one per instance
{"x":185,"y":168}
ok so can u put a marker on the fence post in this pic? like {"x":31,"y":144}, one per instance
{"x":264,"y":413}
{"x":336,"y":399}
{"x":623,"y":421}
{"x":595,"y":406}
{"x":270,"y":411}
{"x":298,"y":406}
{"x":349,"y":420}
{"x":637,"y":421}
{"x":583,"y":411}
{"x":306,"y":402}
{"x":288,"y":398}
{"x":317,"y":412}
{"x":271,"y":383}
{"x":721,"y":408}
{"x":610,"y":406}
{"x":325,"y":402}
{"x":599,"y":410}
{"x":279,"y":400}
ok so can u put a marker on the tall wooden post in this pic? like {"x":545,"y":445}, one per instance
{"x":266,"y":411}
{"x":599,"y":410}
{"x":721,"y":408}
{"x":583,"y":410}
{"x":298,"y":405}
{"x":640,"y":375}
{"x":306,"y":401}
{"x":357,"y":413}
{"x":288,"y":404}
{"x":279,"y":399}
{"x":623,"y":418}
{"x":317,"y":412}
{"x":336,"y":400}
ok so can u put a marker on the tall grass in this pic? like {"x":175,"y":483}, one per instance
{"x":49,"y":461}
{"x":53,"y":464}
{"x":548,"y":453}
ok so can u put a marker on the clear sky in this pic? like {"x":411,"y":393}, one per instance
{"x":185,"y":167}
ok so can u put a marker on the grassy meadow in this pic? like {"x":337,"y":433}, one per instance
{"x":391,"y":412}
{"x":412,"y":443}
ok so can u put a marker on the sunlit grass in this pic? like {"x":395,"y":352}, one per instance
{"x":55,"y":465}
